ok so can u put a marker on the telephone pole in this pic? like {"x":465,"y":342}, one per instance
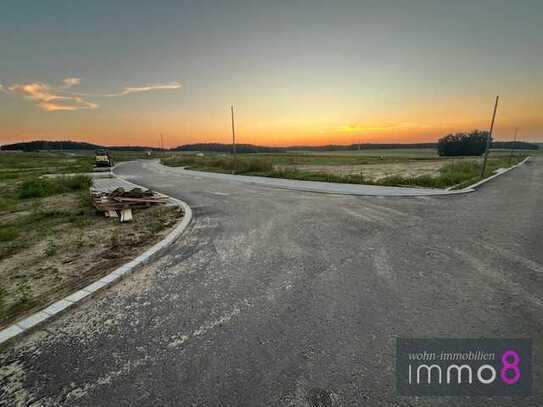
{"x":513,"y":145}
{"x":233,"y":141}
{"x":488,"y":140}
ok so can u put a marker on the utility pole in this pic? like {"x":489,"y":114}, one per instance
{"x":513,"y":145}
{"x":488,"y":140}
{"x":161,"y":142}
{"x":233,"y":141}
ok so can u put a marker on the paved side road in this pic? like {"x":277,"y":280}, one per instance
{"x":309,"y":186}
{"x":275,"y":297}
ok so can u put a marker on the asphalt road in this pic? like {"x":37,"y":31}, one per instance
{"x":311,"y":186}
{"x":275,"y":297}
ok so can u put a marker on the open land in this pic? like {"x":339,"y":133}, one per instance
{"x":276,"y":297}
{"x":52,"y":241}
{"x":403,"y":167}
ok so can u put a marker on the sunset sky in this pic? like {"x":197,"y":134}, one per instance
{"x":298,"y":72}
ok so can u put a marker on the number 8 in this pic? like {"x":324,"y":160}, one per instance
{"x":510,"y":366}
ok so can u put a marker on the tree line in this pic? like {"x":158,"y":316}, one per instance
{"x":474,"y":144}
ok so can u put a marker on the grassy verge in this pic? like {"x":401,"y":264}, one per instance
{"x":452,"y":172}
{"x":52,"y":241}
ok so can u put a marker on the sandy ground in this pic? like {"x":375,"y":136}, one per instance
{"x":75,"y":255}
{"x":377,"y":171}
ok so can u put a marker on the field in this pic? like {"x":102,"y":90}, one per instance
{"x":402,"y":167}
{"x":52,"y":241}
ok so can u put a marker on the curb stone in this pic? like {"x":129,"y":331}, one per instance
{"x":484,"y":181}
{"x":316,"y":186}
{"x":55,"y":309}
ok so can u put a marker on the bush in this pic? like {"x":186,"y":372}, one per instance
{"x":42,"y":187}
{"x":473,"y":143}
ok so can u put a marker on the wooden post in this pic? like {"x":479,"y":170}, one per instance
{"x":233,"y":141}
{"x":488,"y":140}
{"x":513,"y":146}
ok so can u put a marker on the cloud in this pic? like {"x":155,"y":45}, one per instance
{"x":69,"y":82}
{"x":147,"y":88}
{"x":133,"y":89}
{"x":52,"y":98}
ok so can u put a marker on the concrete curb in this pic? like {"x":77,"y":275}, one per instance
{"x":484,"y":181}
{"x":315,"y":186}
{"x":54,"y":310}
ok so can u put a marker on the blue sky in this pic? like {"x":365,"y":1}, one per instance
{"x":298,"y":72}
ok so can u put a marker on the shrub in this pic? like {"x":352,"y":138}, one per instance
{"x":473,"y":143}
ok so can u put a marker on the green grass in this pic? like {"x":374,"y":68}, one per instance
{"x":248,"y":162}
{"x":22,"y":186}
{"x":453,"y":173}
{"x":457,"y":174}
{"x":50,"y":219}
{"x":15,"y":165}
{"x":7,"y":203}
{"x":24,"y":218}
{"x":8,"y":234}
{"x":42,"y":187}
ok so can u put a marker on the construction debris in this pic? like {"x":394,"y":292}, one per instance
{"x":120,"y":202}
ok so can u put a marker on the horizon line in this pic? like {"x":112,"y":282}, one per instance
{"x":247,"y":144}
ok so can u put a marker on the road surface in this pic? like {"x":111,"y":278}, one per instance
{"x":309,"y":186}
{"x":275,"y":297}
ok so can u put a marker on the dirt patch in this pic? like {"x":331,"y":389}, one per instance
{"x":80,"y":246}
{"x":374,"y":172}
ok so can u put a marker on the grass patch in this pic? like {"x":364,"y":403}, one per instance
{"x":52,"y":241}
{"x":458,"y":174}
{"x":253,"y":162}
{"x":7,"y":204}
{"x":51,"y":248}
{"x":42,"y":187}
{"x":453,"y":172}
{"x":8,"y":234}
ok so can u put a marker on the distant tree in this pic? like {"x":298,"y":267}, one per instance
{"x":472,"y":143}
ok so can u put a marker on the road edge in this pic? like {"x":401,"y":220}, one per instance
{"x":485,"y":180}
{"x":417,"y":192}
{"x":55,"y":309}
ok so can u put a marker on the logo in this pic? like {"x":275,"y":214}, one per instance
{"x":464,"y":367}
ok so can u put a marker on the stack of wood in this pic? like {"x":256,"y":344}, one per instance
{"x":120,"y":202}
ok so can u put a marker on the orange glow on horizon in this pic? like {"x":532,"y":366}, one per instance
{"x":145,"y":130}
